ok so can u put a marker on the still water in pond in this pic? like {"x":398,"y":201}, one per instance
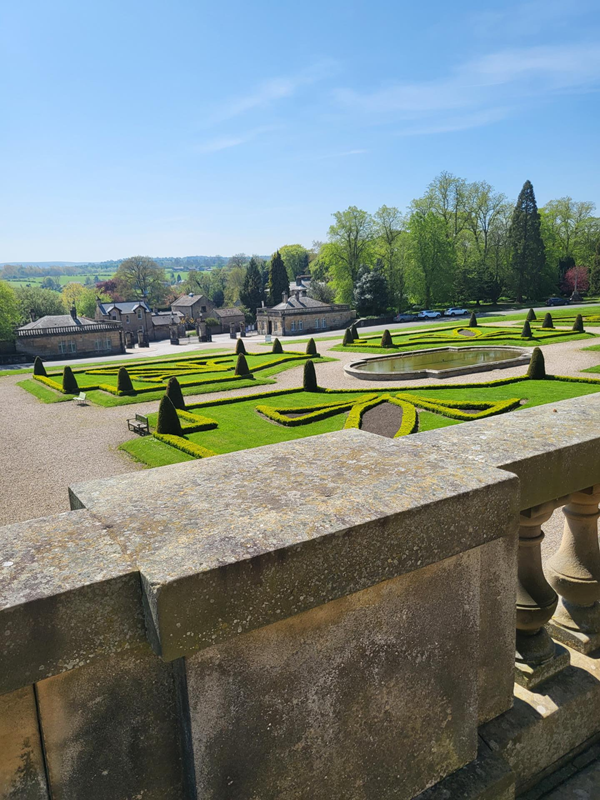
{"x":437,"y":360}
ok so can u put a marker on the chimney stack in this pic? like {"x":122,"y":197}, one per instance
{"x":74,"y":312}
{"x":285,"y":297}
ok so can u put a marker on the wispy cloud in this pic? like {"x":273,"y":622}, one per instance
{"x":483,"y":90}
{"x":272,"y":90}
{"x":227,"y":141}
{"x":526,"y":19}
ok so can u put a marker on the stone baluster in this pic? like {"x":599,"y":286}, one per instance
{"x":537,"y":657}
{"x":574,"y":572}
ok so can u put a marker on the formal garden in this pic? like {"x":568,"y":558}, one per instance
{"x":529,"y":333}
{"x":183,"y":432}
{"x":129,"y":382}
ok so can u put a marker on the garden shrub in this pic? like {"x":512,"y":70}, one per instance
{"x":277,"y":348}
{"x":180,"y":443}
{"x":354,"y":332}
{"x":531,"y":317}
{"x":69,"y":382}
{"x":537,"y":367}
{"x":548,"y":323}
{"x":48,"y":382}
{"x":38,"y":367}
{"x":241,"y":367}
{"x":578,"y":324}
{"x":124,"y":384}
{"x":311,"y":348}
{"x":168,"y":421}
{"x":348,"y":338}
{"x":174,"y":393}
{"x":212,"y":322}
{"x":240,"y":347}
{"x":386,"y":339}
{"x":526,"y":332}
{"x":472,"y":320}
{"x":309,"y":380}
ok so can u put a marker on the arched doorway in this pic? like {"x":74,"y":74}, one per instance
{"x":269,"y":327}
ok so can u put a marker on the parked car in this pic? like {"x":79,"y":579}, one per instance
{"x":455,"y":312}
{"x":429,"y":314}
{"x":405,"y":317}
{"x":557,"y":301}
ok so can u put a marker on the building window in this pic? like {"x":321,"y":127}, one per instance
{"x":127,"y":319}
{"x":300,"y":325}
{"x":203,"y":309}
{"x":108,"y":344}
{"x":323,"y":321}
{"x":72,"y":347}
{"x":114,"y":316}
{"x":293,"y":327}
{"x":62,"y":347}
{"x":317,"y":324}
{"x":98,"y":344}
{"x":139,"y":313}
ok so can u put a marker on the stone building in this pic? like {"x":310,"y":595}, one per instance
{"x":193,"y":306}
{"x":300,"y":313}
{"x":164,"y":321}
{"x":133,"y":316}
{"x":227,"y":317}
{"x":70,"y":336}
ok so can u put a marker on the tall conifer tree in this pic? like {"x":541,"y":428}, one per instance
{"x":278,"y":280}
{"x":252,"y":293}
{"x":528,"y":256}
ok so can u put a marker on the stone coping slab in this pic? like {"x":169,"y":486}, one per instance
{"x":67,"y":595}
{"x":554,"y":449}
{"x":235,"y":542}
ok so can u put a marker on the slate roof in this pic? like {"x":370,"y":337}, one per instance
{"x":228,"y":312}
{"x":189,"y":300}
{"x":165,"y":317}
{"x":124,"y":308}
{"x":59,"y":321}
{"x":300,"y":302}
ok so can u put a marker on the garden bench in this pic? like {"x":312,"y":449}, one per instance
{"x":139,"y":424}
{"x":80,"y":399}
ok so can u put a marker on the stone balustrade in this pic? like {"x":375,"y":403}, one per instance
{"x":332,"y":617}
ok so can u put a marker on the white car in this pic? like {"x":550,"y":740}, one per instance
{"x":428,"y":314}
{"x":455,"y":312}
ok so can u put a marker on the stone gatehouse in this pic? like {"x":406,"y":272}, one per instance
{"x":300,"y":313}
{"x":69,"y":336}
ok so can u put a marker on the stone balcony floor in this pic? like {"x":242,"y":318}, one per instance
{"x":577,"y":780}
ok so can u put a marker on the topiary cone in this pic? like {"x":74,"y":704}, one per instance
{"x":277,"y":348}
{"x":526,"y":332}
{"x":386,"y":339}
{"x":311,"y":348}
{"x":38,"y":367}
{"x":309,"y":381}
{"x":578,"y":324}
{"x":168,"y":421}
{"x":537,"y":366}
{"x":240,"y":347}
{"x":348,"y":338}
{"x":69,"y":382}
{"x":472,"y":320}
{"x":354,"y":332}
{"x":547,"y":323}
{"x":241,"y":367}
{"x":531,"y":317}
{"x":124,"y":383}
{"x":175,"y":394}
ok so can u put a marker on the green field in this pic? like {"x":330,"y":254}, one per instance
{"x":196,"y":375}
{"x":247,"y":422}
{"x":451,"y":335}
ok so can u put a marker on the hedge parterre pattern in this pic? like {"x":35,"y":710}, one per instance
{"x":152,"y":377}
{"x":235,"y":423}
{"x":464,"y":336}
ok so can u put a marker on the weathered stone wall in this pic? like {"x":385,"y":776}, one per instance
{"x":331,"y":617}
{"x":85,"y":343}
{"x":281,"y":322}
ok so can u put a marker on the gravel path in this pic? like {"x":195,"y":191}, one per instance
{"x":47,"y":447}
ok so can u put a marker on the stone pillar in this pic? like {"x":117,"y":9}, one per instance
{"x":574,"y":572}
{"x":537,"y":658}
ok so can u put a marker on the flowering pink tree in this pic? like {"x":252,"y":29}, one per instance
{"x":576,"y":279}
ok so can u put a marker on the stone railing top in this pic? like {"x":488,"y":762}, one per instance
{"x":238,"y":541}
{"x":67,"y":595}
{"x":554,"y":449}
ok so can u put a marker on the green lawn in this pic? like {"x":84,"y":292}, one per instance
{"x":240,"y":426}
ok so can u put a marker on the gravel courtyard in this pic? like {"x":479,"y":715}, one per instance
{"x":47,"y":447}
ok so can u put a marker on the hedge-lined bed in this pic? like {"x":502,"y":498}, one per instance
{"x":462,"y":336}
{"x":196,"y":375}
{"x":270,"y":417}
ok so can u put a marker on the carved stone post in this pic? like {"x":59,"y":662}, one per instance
{"x":574,"y":572}
{"x":537,"y":658}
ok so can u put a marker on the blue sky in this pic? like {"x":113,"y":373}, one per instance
{"x":187,"y":128}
